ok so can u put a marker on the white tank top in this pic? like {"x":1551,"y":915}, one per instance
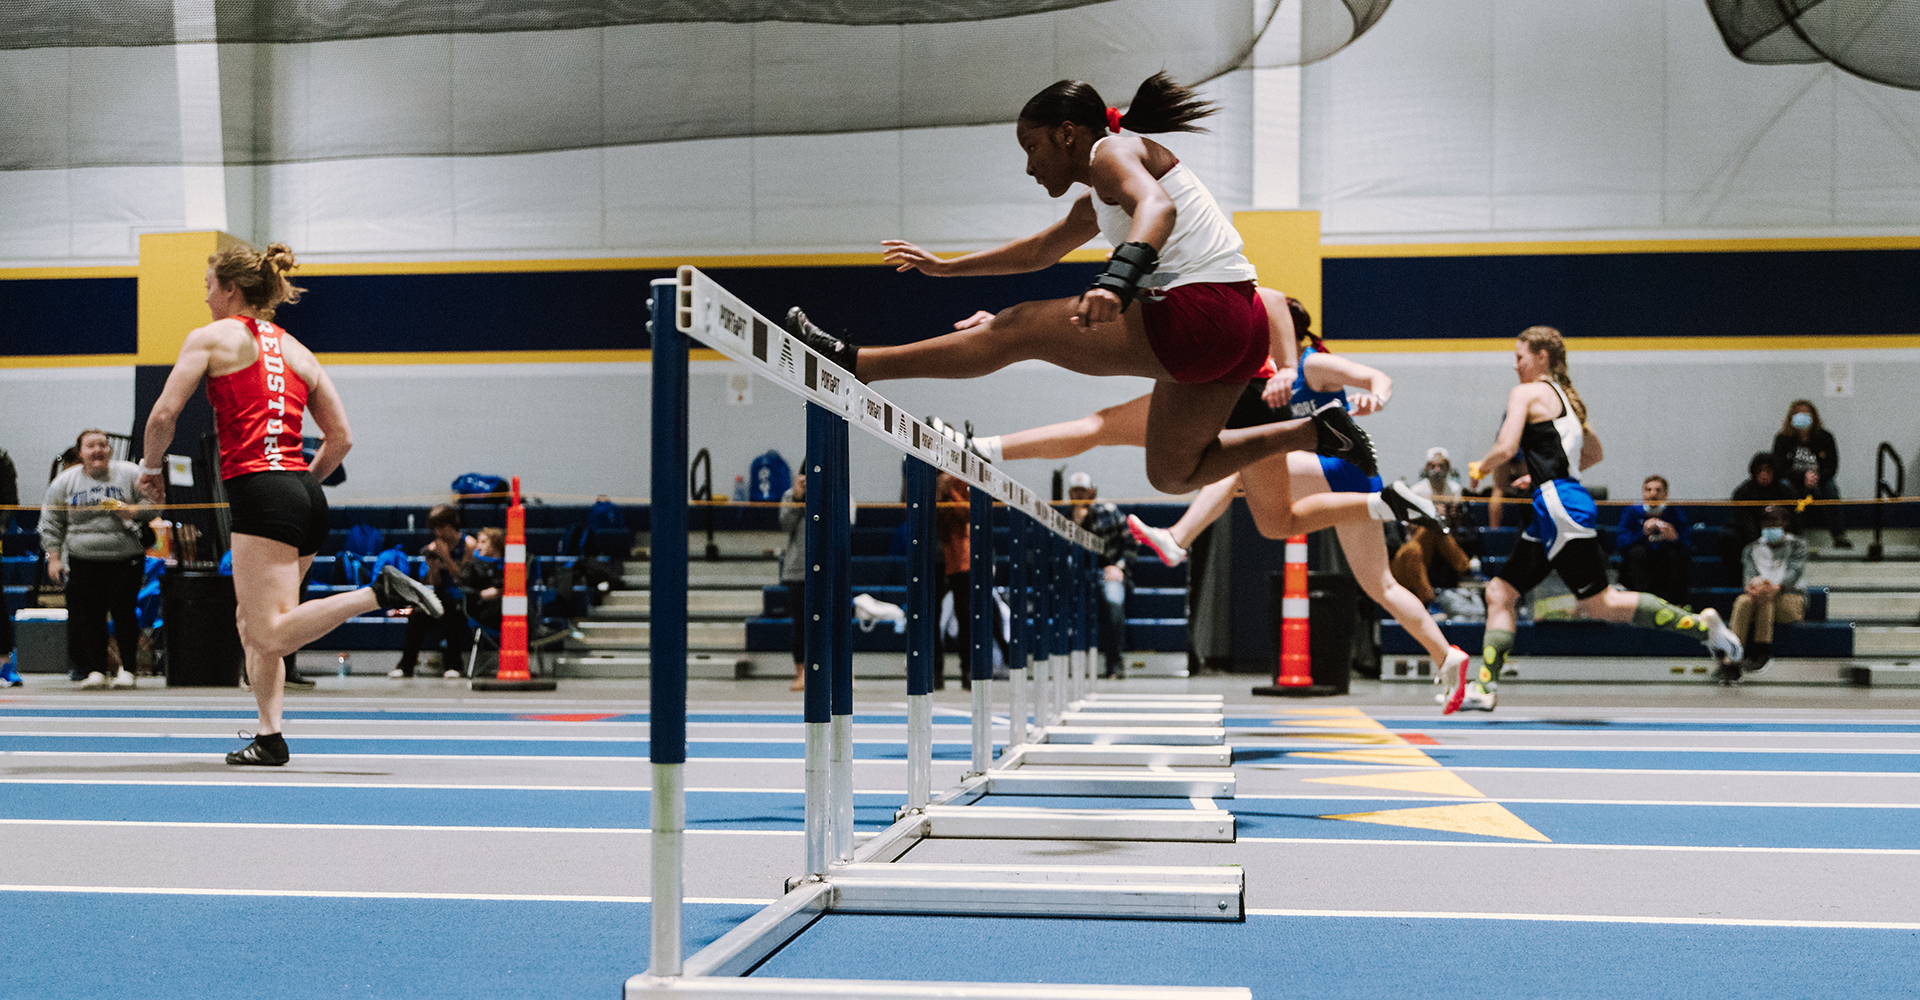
{"x":1204,"y":246}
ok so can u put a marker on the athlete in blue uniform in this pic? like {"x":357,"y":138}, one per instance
{"x":1546,"y":425}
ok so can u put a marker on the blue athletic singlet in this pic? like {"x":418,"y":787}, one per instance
{"x":1342,"y":476}
{"x":1562,"y":508}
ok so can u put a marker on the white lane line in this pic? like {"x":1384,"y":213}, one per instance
{"x":1591,"y":802}
{"x":412,"y":785}
{"x":305,"y":735}
{"x":394,"y":826}
{"x":1204,"y":803}
{"x":1868,"y":925}
{"x":1529,"y":845}
{"x":303,"y":756}
{"x":1717,"y":772}
{"x":331,"y":894}
{"x":1334,"y":746}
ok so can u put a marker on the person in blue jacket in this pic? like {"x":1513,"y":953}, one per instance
{"x":1656,"y":546}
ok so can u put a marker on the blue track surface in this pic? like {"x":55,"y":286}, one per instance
{"x":112,"y":946}
{"x":430,"y":807}
{"x":636,"y":748}
{"x":1666,"y":759}
{"x":243,"y":715}
{"x":1287,"y":958}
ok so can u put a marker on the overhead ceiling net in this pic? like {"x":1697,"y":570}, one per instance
{"x":96,"y":84}
{"x":1875,"y":39}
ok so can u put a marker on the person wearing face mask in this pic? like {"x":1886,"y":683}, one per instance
{"x":1805,"y":458}
{"x":1774,"y":567}
{"x":1656,"y":547}
{"x":1762,"y":488}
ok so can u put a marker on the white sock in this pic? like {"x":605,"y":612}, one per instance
{"x":1377,"y":506}
{"x":988,"y":446}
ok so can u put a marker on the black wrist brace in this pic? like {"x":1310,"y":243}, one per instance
{"x":1130,"y":263}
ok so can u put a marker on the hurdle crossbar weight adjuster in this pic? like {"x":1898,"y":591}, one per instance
{"x":840,"y":877}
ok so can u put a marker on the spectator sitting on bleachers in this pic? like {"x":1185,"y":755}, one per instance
{"x":1430,"y":559}
{"x":1774,"y":567}
{"x":1805,"y":459}
{"x":1656,"y":547}
{"x":1761,"y":488}
{"x":482,"y":576}
{"x":446,"y":554}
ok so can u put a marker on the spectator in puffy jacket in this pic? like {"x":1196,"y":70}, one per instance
{"x":1762,"y":488}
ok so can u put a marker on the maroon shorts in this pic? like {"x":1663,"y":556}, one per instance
{"x":1207,"y":331}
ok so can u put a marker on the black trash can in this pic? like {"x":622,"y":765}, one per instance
{"x":203,"y":642}
{"x":1333,"y":610}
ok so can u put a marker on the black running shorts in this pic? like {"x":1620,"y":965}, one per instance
{"x":1252,"y":411}
{"x":1581,"y":565}
{"x":284,"y":506}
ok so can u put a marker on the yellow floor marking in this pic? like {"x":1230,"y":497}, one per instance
{"x":1487,"y":819}
{"x":1378,"y":739}
{"x":1394,"y":755}
{"x":1432,"y":782}
{"x":1354,"y":723}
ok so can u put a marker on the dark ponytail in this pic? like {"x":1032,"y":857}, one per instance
{"x":1160,"y":105}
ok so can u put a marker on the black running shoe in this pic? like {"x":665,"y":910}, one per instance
{"x":823,"y":343}
{"x":1340,"y":437}
{"x":297,"y":681}
{"x":259,"y":754}
{"x":1412,"y":508}
{"x":395,"y":589}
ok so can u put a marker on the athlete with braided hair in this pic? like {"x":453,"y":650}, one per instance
{"x":1546,"y":424}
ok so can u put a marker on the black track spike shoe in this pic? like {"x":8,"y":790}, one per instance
{"x":395,"y":589}
{"x":823,"y":343}
{"x":1340,"y":437}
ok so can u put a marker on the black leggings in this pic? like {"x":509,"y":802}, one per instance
{"x":95,"y":589}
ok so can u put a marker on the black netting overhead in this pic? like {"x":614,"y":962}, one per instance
{"x":1875,"y":39}
{"x":104,"y":83}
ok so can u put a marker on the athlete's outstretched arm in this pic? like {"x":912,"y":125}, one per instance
{"x":1327,"y":372}
{"x":1507,"y":444}
{"x":1028,"y":253}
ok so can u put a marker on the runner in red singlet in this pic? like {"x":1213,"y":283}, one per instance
{"x":263,"y":385}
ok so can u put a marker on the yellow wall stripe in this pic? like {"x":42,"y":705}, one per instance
{"x":1544,"y":248}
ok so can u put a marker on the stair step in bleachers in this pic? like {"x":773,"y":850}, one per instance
{"x":1594,"y":639}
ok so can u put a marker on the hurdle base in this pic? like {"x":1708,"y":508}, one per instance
{"x":1132,"y":755}
{"x":1307,"y":691}
{"x":1110,"y":735}
{"x":1110,"y":784}
{"x":1032,"y":823}
{"x":645,"y":987}
{"x":530,"y":684}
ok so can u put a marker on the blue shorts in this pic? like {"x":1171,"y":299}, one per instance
{"x":1563,"y":510}
{"x":1345,"y":477}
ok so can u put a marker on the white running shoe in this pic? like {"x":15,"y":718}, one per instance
{"x":123,"y":679}
{"x":1455,"y":671}
{"x":397,"y":674}
{"x":1721,"y":642}
{"x":95,"y":681}
{"x":452,"y":674}
{"x":1479,"y":698}
{"x":1160,"y":540}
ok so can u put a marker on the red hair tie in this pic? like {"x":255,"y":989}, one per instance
{"x":1113,"y":119}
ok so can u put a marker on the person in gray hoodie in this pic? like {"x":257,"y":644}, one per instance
{"x":90,"y":531}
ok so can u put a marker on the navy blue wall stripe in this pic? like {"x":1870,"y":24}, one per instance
{"x":41,"y":316}
{"x":1810,"y":293}
{"x":606,"y":310}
